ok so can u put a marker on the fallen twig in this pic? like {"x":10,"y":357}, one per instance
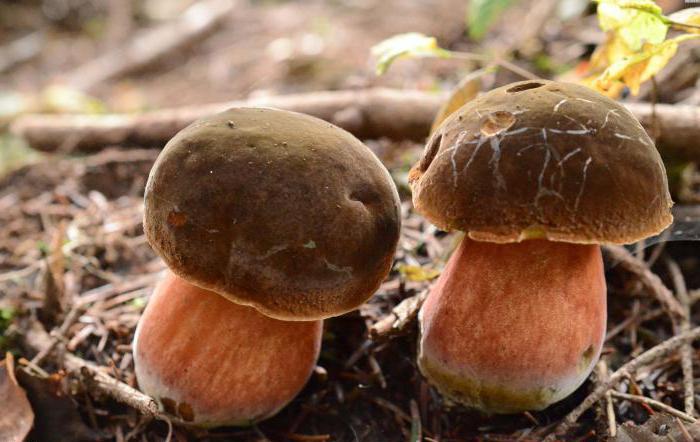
{"x":70,"y":318}
{"x":649,"y":356}
{"x":107,"y":385}
{"x":603,"y":374}
{"x":686,"y":349}
{"x":654,"y":404}
{"x":21,"y":50}
{"x":399,"y":319}
{"x":38,"y":339}
{"x":369,"y":113}
{"x":152,"y":44}
{"x":649,"y":280}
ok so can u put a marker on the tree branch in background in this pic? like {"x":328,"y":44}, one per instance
{"x":152,"y":44}
{"x":369,"y":113}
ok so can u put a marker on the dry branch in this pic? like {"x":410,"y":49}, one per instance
{"x":609,"y":408}
{"x":687,"y":349}
{"x":39,"y":340}
{"x":369,"y":113}
{"x":678,"y":128}
{"x":21,"y":50}
{"x":399,"y":318}
{"x":152,"y":44}
{"x":655,"y":353}
{"x":651,"y":282}
{"x":654,"y":404}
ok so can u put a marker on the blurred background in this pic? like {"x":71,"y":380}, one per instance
{"x":97,"y":56}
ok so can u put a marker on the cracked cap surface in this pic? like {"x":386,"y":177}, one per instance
{"x":274,"y":209}
{"x":542,"y":159}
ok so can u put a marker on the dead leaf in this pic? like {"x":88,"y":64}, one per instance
{"x":636,"y":47}
{"x":57,"y":416}
{"x":16,"y":415}
{"x":465,"y":91}
{"x":659,"y":428}
{"x":635,"y":69}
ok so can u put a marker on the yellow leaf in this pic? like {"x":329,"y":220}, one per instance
{"x":606,"y":54}
{"x":613,"y":89}
{"x":417,"y":273}
{"x":636,"y":48}
{"x":63,"y":99}
{"x":465,"y":91}
{"x":412,"y":44}
{"x":636,"y":21}
{"x":634,"y":69}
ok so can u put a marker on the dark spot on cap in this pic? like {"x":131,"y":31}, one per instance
{"x":496,"y":122}
{"x":525,"y":86}
{"x":176,"y":219}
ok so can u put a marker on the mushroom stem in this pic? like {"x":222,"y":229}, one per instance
{"x":211,"y":362}
{"x":514,"y":327}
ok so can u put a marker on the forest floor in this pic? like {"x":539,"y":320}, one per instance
{"x":76,"y":270}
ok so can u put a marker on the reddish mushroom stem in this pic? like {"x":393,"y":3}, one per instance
{"x":514,"y":327}
{"x":212,"y":362}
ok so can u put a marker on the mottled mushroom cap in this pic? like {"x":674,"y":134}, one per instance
{"x":274,"y":209}
{"x":542,"y":159}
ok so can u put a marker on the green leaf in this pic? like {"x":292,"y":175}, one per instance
{"x":6,"y":314}
{"x":482,"y":14}
{"x":637,"y":22}
{"x":412,"y":44}
{"x":139,"y":302}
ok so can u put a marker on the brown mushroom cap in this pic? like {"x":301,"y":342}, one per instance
{"x":274,"y":209}
{"x":542,"y":159}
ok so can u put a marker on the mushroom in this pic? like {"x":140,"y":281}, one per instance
{"x":270,"y":221}
{"x":537,"y":174}
{"x":213,"y":362}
